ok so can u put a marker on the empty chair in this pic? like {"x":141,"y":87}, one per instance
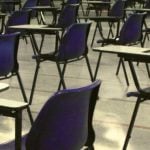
{"x":67,"y":17}
{"x":130,"y":34}
{"x":45,"y":2}
{"x":73,"y":47}
{"x":29,"y":3}
{"x":9,"y":65}
{"x":115,"y":14}
{"x":17,"y":18}
{"x":64,"y":122}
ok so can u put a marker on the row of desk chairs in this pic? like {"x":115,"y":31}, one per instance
{"x":62,"y":55}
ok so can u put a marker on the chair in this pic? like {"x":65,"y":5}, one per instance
{"x":9,"y":65}
{"x":130,"y":34}
{"x":73,"y":47}
{"x":28,"y":4}
{"x":67,"y":16}
{"x":142,"y":94}
{"x":46,"y":2}
{"x":64,"y":122}
{"x":115,"y":14}
{"x":17,"y":18}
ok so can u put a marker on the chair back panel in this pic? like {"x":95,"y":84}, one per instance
{"x":118,"y":9}
{"x":62,"y":124}
{"x":29,"y":3}
{"x":73,"y":2}
{"x":68,"y":16}
{"x":74,"y":42}
{"x":8,"y":53}
{"x":46,"y":3}
{"x":17,"y":18}
{"x":131,"y":31}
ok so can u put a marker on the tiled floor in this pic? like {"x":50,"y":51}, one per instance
{"x":113,"y":110}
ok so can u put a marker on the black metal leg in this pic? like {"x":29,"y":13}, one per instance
{"x":148,"y":71}
{"x":100,"y":30}
{"x":89,"y":68}
{"x":125,"y":72}
{"x":25,"y":97}
{"x":97,"y":65}
{"x":33,"y":46}
{"x":94,"y":35}
{"x":42,"y":41}
{"x":34,"y":82}
{"x":118,"y":67}
{"x":61,"y":75}
{"x":82,"y":9}
{"x":18,"y":129}
{"x":110,"y":30}
{"x":131,"y":123}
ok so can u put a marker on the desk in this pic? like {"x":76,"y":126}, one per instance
{"x":142,"y":94}
{"x":138,"y":9}
{"x":42,"y":9}
{"x":97,"y":5}
{"x":37,"y":29}
{"x":14,"y":109}
{"x":96,"y":2}
{"x":99,"y":20}
{"x":32,"y":29}
{"x":117,"y":50}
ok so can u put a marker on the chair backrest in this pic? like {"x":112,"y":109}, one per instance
{"x":67,"y":16}
{"x":62,"y":124}
{"x":72,"y":2}
{"x":17,"y":18}
{"x":46,"y":3}
{"x":118,"y":9}
{"x":29,"y":3}
{"x":74,"y":42}
{"x":8,"y":53}
{"x":131,"y":31}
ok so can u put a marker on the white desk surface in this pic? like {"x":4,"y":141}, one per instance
{"x":116,"y":49}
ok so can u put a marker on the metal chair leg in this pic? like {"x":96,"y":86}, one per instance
{"x":125,"y":72}
{"x":131,"y":125}
{"x":118,"y":67}
{"x":97,"y":65}
{"x":61,"y":75}
{"x":34,"y":82}
{"x":25,"y":97}
{"x":89,"y":68}
{"x":94,"y":35}
{"x":148,"y":71}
